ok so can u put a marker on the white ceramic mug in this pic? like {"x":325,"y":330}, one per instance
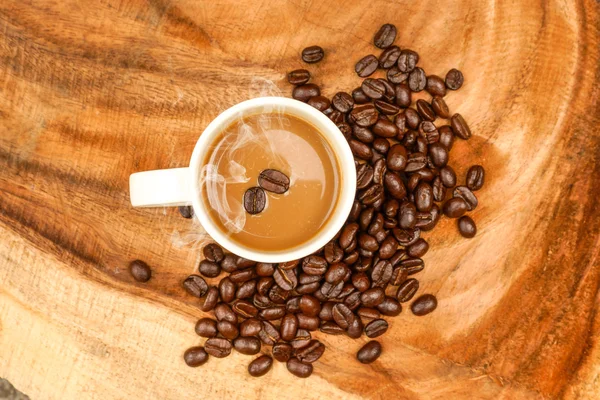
{"x":182,"y":186}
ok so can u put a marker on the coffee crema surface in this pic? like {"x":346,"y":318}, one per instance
{"x":276,"y":141}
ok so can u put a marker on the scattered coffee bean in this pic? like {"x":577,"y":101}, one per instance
{"x":475,"y":177}
{"x":364,"y":115}
{"x":140,"y":271}
{"x":376,"y":328}
{"x":460,"y":127}
{"x":255,"y":200}
{"x":282,"y":352}
{"x":321,"y":103}
{"x":424,"y":305}
{"x":343,"y":102}
{"x":311,"y":353}
{"x":260,"y":366}
{"x":454,"y":79}
{"x":373,"y":88}
{"x":408,"y":60}
{"x":467,"y":227}
{"x":455,"y":207}
{"x":440,"y":107}
{"x":425,"y":110}
{"x":385,"y":36}
{"x":195,"y":285}
{"x":298,"y":368}
{"x":218,"y":347}
{"x":211,"y":299}
{"x":312,"y":54}
{"x":195,"y":356}
{"x":369,"y":352}
{"x":366,"y":66}
{"x":436,"y":86}
{"x":417,"y":80}
{"x":247,"y":345}
{"x":389,"y":57}
{"x":206,"y":327}
{"x":305,"y":92}
{"x":213,"y":252}
{"x":186,"y":212}
{"x":467,"y":195}
{"x":250,"y":327}
{"x":298,"y":77}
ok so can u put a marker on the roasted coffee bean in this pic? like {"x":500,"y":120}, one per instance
{"x":211,"y":300}
{"x":292,"y":305}
{"x":385,"y":128}
{"x":424,"y":305}
{"x":475,"y":177}
{"x":408,"y":60}
{"x":379,"y":170}
{"x":244,"y":275}
{"x":413,"y":119}
{"x":390,"y":90}
{"x":376,"y":225}
{"x":423,"y":197}
{"x":389,"y":57}
{"x":369,"y":352}
{"x":374,"y":296}
{"x":321,"y":103}
{"x":429,"y":132}
{"x":218,"y":347}
{"x":255,"y":200}
{"x":309,"y":305}
{"x":364,"y":115}
{"x":367,"y":242}
{"x":448,"y":176}
{"x":439,"y":154}
{"x":298,"y":76}
{"x":260,"y":366}
{"x":368,"y":313}
{"x":388,"y":247}
{"x":439,"y":190}
{"x":363,"y":264}
{"x":209,"y":269}
{"x":308,"y":323}
{"x":331,"y":328}
{"x":361,"y":281}
{"x":365,"y":218}
{"x":224,"y":313}
{"x":346,"y":129}
{"x":250,"y":327}
{"x":289,"y":265}
{"x":331,"y":291}
{"x":418,"y":248}
{"x":391,"y":207}
{"x":343,"y":102}
{"x":279,"y":295}
{"x":186,"y":212}
{"x":366,"y":66}
{"x":454,"y":79}
{"x":407,"y":290}
{"x":360,"y":150}
{"x":286,"y":279}
{"x":346,"y":237}
{"x":436,"y":86}
{"x":337,"y":117}
{"x":195,"y":285}
{"x":333,"y":252}
{"x":272,"y":313}
{"x":195,"y":356}
{"x":415,"y":162}
{"x":269,"y":335}
{"x":406,"y":237}
{"x":312,"y":352}
{"x":302,"y":339}
{"x":246,"y":290}
{"x":298,"y":368}
{"x":427,"y":221}
{"x":394,"y":185}
{"x":446,"y":136}
{"x":326,"y":313}
{"x":227,"y":290}
{"x":228,"y":330}
{"x":243,"y":263}
{"x":421,"y":144}
{"x":315,"y":265}
{"x":385,"y":36}
{"x":264,"y":285}
{"x":398,"y":276}
{"x":229,"y":263}
{"x":381,"y":145}
{"x":417,"y":80}
{"x":265,"y":269}
{"x":355,"y":329}
{"x":141,"y":272}
{"x":206,"y":327}
{"x":359,"y":96}
{"x":213,"y":252}
{"x":312,"y":54}
{"x":397,"y":158}
{"x":363,"y":134}
{"x":306,"y":92}
{"x":467,"y":195}
{"x":337,"y":272}
{"x":262,"y":301}
{"x":370,"y":195}
{"x":373,"y":88}
{"x":467,"y":227}
{"x":460,"y":127}
{"x":395,"y":76}
{"x":289,"y":327}
{"x":381,"y":235}
{"x":413,"y":182}
{"x":244,"y":309}
{"x":425,"y":110}
{"x":342,"y":315}
{"x":439,"y":106}
{"x":388,"y":223}
{"x":386,"y":108}
{"x":390,"y":307}
{"x":403,"y":95}
{"x":408,"y":215}
{"x":381,"y":274}
{"x":355,"y":211}
{"x":282,"y":352}
{"x":398,"y":256}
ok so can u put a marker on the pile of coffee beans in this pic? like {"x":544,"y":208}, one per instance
{"x":270,"y":180}
{"x":366,"y":272}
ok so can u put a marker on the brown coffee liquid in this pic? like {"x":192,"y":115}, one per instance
{"x":288,"y":144}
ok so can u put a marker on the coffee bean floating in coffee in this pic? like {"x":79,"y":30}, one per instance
{"x":405,"y":185}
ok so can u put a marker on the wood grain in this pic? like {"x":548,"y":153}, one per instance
{"x":91,"y":92}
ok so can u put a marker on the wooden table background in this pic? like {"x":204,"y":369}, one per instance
{"x":91,"y":91}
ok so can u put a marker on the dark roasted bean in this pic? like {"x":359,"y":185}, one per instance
{"x":321,"y":103}
{"x":386,"y":108}
{"x":355,"y":211}
{"x":388,"y":247}
{"x":312,"y":54}
{"x":255,"y":200}
{"x":360,"y":150}
{"x":302,"y":339}
{"x":446,"y":136}
{"x":398,"y":256}
{"x":228,"y":329}
{"x":373,"y":88}
{"x":413,"y":119}
{"x":467,"y":195}
{"x":368,"y":313}
{"x":218,"y":347}
{"x":439,"y":190}
{"x":305,"y":92}
{"x":385,"y":36}
{"x":369,"y":352}
{"x":223,"y":312}
{"x":265,"y":269}
{"x":395,"y":76}
{"x":448,"y":176}
{"x":372,"y":297}
{"x":438,"y":154}
{"x":423,"y":197}
{"x":244,"y":275}
{"x":343,"y":102}
{"x":425,"y":110}
{"x":418,"y":248}
{"x":195,"y":356}
{"x":455,"y":207}
{"x":229,"y":263}
{"x":424,"y":305}
{"x":286,"y":279}
{"x":298,"y":76}
{"x":312,"y":352}
{"x":289,"y":327}
{"x":408,"y":215}
{"x":389,"y":57}
{"x":315,"y":265}
{"x":355,"y":329}
{"x":381,"y":145}
{"x":390,"y":307}
{"x":186,"y":212}
{"x":141,"y":272}
{"x":467,"y":227}
{"x":195,"y":285}
{"x":268,"y":334}
{"x":272,"y":313}
{"x":307,"y":322}
{"x":436,"y":86}
{"x":206,"y":327}
{"x":403,"y":95}
{"x":250,"y":327}
{"x":408,"y":60}
{"x":415,"y":162}
{"x":381,"y":274}
{"x":454,"y":79}
{"x":211,"y":300}
{"x":278,"y":295}
{"x":398,"y":276}
{"x":213,"y":252}
{"x":227,"y":290}
{"x":264,"y":285}
{"x":440,"y":107}
{"x":359,"y":96}
{"x":407,"y":290}
{"x":342,"y":315}
{"x":475,"y":177}
{"x":385,"y":128}
{"x":427,"y":221}
{"x":298,"y":368}
{"x":363,"y":134}
{"x":331,"y":291}
{"x":260,"y":366}
{"x":366,"y":66}
{"x":460,"y":127}
{"x":406,"y":237}
{"x":244,"y":309}
{"x":209,"y":269}
{"x":282,"y":351}
{"x":417,"y":80}
{"x":331,"y":328}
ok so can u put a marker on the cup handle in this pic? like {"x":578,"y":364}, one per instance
{"x":162,"y":187}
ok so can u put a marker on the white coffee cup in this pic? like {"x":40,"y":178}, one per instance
{"x":182,"y":186}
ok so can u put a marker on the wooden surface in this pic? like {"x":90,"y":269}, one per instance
{"x":91,"y":91}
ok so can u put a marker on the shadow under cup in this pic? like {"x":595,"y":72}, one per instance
{"x":311,"y":151}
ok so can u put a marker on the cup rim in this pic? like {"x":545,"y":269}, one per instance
{"x":339,"y":146}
